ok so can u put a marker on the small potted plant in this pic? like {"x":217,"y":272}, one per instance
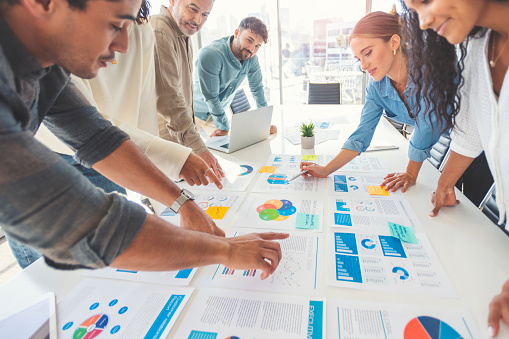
{"x":307,"y":138}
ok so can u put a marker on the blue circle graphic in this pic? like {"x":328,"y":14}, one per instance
{"x":403,"y":273}
{"x":94,"y":306}
{"x":113,"y":302}
{"x":115,"y":329}
{"x":286,"y":204}
{"x":68,"y":325}
{"x":288,"y":211}
{"x":368,"y":243}
{"x":122,"y":310}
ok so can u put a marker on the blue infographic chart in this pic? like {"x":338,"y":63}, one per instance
{"x":284,"y":167}
{"x":382,"y":262}
{"x":358,"y":184}
{"x":278,"y":179}
{"x":371,"y":214}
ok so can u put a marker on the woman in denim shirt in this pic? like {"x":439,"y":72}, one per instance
{"x":375,"y":42}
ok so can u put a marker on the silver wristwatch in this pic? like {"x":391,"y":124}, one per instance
{"x":184,"y":196}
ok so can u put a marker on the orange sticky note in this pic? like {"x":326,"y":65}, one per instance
{"x":217,"y":212}
{"x":268,"y":169}
{"x":377,"y":190}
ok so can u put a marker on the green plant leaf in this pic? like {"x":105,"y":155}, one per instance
{"x":307,"y":130}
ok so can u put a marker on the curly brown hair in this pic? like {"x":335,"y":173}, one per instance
{"x":438,"y":67}
{"x":256,"y":26}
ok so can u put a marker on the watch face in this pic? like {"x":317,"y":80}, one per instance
{"x":188,"y":194}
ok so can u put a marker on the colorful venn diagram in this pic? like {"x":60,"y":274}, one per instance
{"x":277,"y":210}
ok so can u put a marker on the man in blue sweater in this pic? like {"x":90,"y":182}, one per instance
{"x":220,"y":69}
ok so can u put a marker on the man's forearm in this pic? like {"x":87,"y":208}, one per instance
{"x":130,"y":168}
{"x":160,"y":246}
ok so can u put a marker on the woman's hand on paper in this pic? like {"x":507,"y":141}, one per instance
{"x":394,"y":181}
{"x":313,"y":170}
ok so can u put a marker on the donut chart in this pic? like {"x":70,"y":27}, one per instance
{"x":425,"y":327}
{"x":91,"y":327}
{"x":246,"y":170}
{"x":276,"y":210}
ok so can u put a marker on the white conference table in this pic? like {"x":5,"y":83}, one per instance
{"x":472,"y":250}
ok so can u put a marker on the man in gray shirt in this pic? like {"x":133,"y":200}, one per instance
{"x":47,"y":204}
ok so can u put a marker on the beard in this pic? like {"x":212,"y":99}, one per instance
{"x":240,"y":52}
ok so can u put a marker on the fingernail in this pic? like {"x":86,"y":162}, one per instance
{"x":491,"y":332}
{"x":431,"y":214}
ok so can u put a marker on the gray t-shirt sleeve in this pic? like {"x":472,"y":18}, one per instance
{"x":79,"y":125}
{"x":50,"y":206}
{"x":47,"y":204}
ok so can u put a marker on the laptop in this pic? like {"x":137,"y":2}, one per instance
{"x":35,"y":320}
{"x":246,"y":128}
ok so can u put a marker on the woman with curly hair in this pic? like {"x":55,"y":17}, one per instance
{"x":474,"y":91}
{"x":376,"y":43}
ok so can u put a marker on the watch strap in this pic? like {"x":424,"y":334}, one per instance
{"x":182,"y":198}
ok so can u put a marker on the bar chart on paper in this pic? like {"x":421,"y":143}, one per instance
{"x":299,"y":270}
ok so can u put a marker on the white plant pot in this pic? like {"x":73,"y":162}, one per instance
{"x":307,"y":142}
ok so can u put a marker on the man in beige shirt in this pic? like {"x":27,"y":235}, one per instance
{"x":173,"y":29}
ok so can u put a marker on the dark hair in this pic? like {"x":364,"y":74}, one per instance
{"x":436,"y":69}
{"x":143,"y":12}
{"x":255,"y":25}
{"x":82,"y":4}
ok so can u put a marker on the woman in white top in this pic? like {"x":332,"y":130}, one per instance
{"x":481,"y":106}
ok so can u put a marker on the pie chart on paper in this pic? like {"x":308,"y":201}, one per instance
{"x":246,"y":169}
{"x":425,"y":327}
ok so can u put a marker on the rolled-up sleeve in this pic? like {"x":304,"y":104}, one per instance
{"x":208,"y":67}
{"x":255,"y":83}
{"x":82,"y":128}
{"x":465,"y":138}
{"x":425,"y":135}
{"x":371,"y":112}
{"x":50,"y":206}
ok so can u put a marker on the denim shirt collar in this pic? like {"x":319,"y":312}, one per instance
{"x":233,"y":59}
{"x":23,"y":64}
{"x":387,"y":90}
